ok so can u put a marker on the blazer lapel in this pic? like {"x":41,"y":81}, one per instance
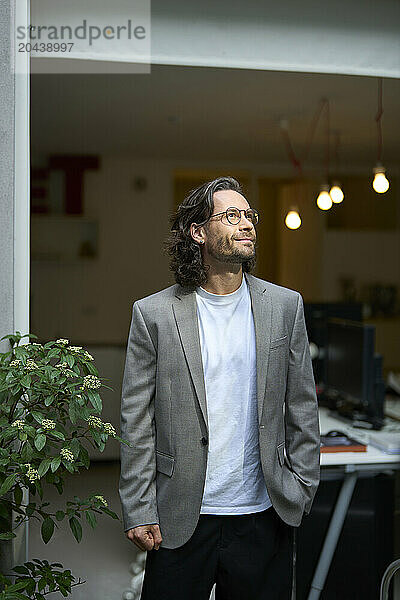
{"x":185,"y":311}
{"x":262,"y":314}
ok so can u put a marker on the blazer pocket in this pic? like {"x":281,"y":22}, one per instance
{"x":281,"y":453}
{"x":301,"y":479}
{"x":279,"y":342}
{"x":165,"y":463}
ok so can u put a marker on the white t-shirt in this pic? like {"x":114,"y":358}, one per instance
{"x":234,"y":479}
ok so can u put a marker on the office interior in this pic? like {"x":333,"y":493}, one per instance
{"x":111,"y":158}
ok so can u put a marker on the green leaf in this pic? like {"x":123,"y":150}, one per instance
{"x":91,"y":518}
{"x":75,"y":447}
{"x":60,"y":514}
{"x":8,"y":483}
{"x":40,"y":441}
{"x":26,"y":381}
{"x":21,"y":569}
{"x":48,"y":400}
{"x":18,"y":494}
{"x":38,"y":416}
{"x":38,"y":487}
{"x":44,"y":466}
{"x":55,"y":463}
{"x":84,"y":456}
{"x":70,"y":360}
{"x":109,"y":512}
{"x":96,"y":436}
{"x":7,"y":536}
{"x":58,"y":434}
{"x":42,"y":584}
{"x":76,"y":528}
{"x":91,"y":368}
{"x":17,"y":586}
{"x":27,"y":452}
{"x":68,"y":466}
{"x":47,"y":529}
{"x":54,"y":352}
{"x":72,"y":413}
{"x":95,"y":400}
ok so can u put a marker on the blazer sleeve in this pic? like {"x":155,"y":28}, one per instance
{"x":301,"y":411}
{"x":137,"y":489}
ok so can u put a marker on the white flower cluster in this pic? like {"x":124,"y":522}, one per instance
{"x":19,"y":423}
{"x":32,"y":474}
{"x":48,"y":424}
{"x":95,"y":421}
{"x":91,"y":381}
{"x":62,"y":341}
{"x":98,"y":424}
{"x":109,"y":428}
{"x":30,"y":365}
{"x":33,"y":346}
{"x":15,"y":363}
{"x":67,"y":454}
{"x":62,"y":365}
{"x":101,"y":499}
{"x":65,"y":369}
{"x":75,"y":349}
{"x":87,"y":355}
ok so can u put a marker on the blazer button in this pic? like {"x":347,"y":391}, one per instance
{"x":204,"y":441}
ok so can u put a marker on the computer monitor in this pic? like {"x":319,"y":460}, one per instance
{"x":316,"y":317}
{"x":353,"y":370}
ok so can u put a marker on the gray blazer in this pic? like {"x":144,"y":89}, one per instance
{"x":164,"y":410}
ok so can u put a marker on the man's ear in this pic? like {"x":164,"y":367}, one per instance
{"x":197,"y":233}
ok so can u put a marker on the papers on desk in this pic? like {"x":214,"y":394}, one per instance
{"x":386,"y":441}
{"x":337,"y":441}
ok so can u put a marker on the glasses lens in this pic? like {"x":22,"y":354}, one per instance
{"x":252,"y":215}
{"x":233,"y":216}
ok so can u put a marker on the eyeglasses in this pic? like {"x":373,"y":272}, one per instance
{"x":233,"y":215}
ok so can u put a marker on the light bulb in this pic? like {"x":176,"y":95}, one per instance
{"x":380,"y":183}
{"x":336,"y":193}
{"x":324,"y":201}
{"x":292,"y":219}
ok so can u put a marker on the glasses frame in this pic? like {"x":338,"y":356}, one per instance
{"x":240,"y":211}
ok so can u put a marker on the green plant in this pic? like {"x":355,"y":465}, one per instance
{"x":49,"y":402}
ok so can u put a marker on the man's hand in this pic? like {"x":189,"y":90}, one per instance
{"x":145,"y":537}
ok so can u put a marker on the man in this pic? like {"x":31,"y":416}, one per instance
{"x":219,"y":405}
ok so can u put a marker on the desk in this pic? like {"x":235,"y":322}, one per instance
{"x":348,"y":466}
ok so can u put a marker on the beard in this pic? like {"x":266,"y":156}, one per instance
{"x":225,"y":250}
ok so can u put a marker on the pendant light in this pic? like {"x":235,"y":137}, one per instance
{"x":380,"y":182}
{"x":324,"y":201}
{"x":336,"y":192}
{"x":292,"y":219}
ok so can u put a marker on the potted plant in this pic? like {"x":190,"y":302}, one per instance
{"x":49,"y":409}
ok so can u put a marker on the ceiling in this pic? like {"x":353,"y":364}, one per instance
{"x":202,"y":113}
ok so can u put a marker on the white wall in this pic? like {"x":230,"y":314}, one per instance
{"x":368,"y":256}
{"x":91,"y":300}
{"x":358,"y":37}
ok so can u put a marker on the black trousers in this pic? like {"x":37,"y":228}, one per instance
{"x":249,"y":557}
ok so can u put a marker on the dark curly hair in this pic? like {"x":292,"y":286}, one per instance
{"x":186,"y":260}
